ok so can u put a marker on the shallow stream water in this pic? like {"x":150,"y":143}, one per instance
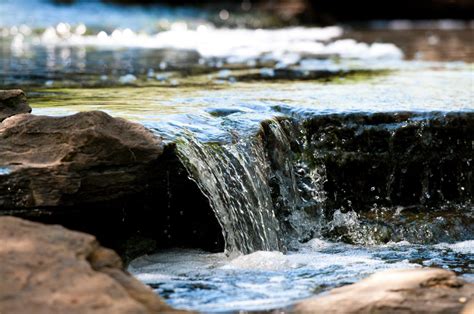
{"x":264,"y":280}
{"x":175,"y":72}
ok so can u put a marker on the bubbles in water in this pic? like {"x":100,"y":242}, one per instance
{"x":267,"y":280}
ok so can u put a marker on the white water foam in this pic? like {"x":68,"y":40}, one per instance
{"x":285,"y":46}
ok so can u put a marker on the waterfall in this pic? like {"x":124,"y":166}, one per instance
{"x":337,"y":178}
{"x":234,"y":177}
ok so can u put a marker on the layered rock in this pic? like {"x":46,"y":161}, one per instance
{"x":393,"y":159}
{"x":426,"y":290}
{"x":369,"y":178}
{"x":49,"y":269}
{"x":394,"y":176}
{"x":13,"y":102}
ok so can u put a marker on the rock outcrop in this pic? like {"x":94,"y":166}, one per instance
{"x":13,"y":102}
{"x":49,"y":269}
{"x":61,"y":161}
{"x":393,"y":159}
{"x":105,"y":176}
{"x":426,"y":290}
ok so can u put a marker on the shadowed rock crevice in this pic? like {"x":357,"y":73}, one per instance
{"x":13,"y":102}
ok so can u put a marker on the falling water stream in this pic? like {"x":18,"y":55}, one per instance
{"x":235,"y":179}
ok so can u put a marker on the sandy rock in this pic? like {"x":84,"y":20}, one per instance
{"x":83,"y":158}
{"x":49,"y":269}
{"x":426,"y":290}
{"x":12,"y":102}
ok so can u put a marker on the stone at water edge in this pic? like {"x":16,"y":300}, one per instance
{"x":420,"y":290}
{"x":67,"y":161}
{"x":13,"y":102}
{"x":49,"y":269}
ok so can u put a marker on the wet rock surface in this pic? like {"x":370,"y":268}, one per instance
{"x":400,"y":159}
{"x":49,"y":269}
{"x":395,"y":176}
{"x":372,"y":178}
{"x":426,"y":290}
{"x":13,"y":102}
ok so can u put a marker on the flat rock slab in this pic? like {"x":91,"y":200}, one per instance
{"x":13,"y":102}
{"x":49,"y":269}
{"x":426,"y":290}
{"x":66,"y":161}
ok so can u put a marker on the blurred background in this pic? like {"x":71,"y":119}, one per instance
{"x":94,"y":42}
{"x":330,"y":11}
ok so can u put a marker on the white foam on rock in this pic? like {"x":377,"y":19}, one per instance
{"x":261,"y":260}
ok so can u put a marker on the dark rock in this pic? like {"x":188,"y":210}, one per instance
{"x":13,"y":102}
{"x":386,"y":176}
{"x":49,"y":269}
{"x":426,"y":290}
{"x":393,"y":159}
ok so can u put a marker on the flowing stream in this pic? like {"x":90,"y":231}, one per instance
{"x":296,"y":136}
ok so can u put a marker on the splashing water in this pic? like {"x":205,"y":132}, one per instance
{"x":234,"y":178}
{"x":196,"y":280}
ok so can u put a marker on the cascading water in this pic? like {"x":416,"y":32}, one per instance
{"x":235,"y":179}
{"x":335,"y":189}
{"x":294,"y":193}
{"x":269,"y":190}
{"x":256,"y":190}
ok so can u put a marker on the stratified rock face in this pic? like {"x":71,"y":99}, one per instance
{"x":49,"y":269}
{"x":425,"y":290}
{"x":84,"y":158}
{"x":387,"y":159}
{"x":369,"y":178}
{"x":12,"y":102}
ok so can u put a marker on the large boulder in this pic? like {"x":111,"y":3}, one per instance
{"x":12,"y":102}
{"x":49,"y":269}
{"x":88,"y":157}
{"x":426,"y":290}
{"x":105,"y":176}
